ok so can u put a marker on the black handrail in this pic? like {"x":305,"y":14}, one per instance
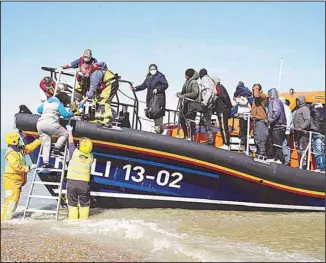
{"x":135,"y":117}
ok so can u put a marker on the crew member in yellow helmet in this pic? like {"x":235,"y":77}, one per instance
{"x":15,"y":172}
{"x":78,"y":177}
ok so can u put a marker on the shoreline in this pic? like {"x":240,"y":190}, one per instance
{"x":28,"y":243}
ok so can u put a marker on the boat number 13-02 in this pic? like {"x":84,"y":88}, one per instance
{"x":162,"y":177}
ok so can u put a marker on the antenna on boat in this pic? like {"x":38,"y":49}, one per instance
{"x":280,"y":75}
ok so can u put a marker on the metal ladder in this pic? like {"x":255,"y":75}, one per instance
{"x":72,"y":84}
{"x":38,"y":169}
{"x":61,"y":159}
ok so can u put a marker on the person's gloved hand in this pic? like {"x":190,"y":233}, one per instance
{"x":69,"y":128}
{"x":154,"y":91}
{"x":287,"y":132}
{"x":133,"y":87}
{"x":81,"y":105}
{"x":73,"y":107}
{"x":180,"y":96}
{"x":30,"y":167}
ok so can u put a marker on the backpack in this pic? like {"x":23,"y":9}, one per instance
{"x":214,"y":94}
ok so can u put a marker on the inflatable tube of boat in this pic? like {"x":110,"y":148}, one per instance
{"x":237,"y":161}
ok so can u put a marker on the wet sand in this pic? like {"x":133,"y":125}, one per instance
{"x":27,"y":243}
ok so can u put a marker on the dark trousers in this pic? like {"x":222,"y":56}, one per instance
{"x":207,"y":115}
{"x":269,"y":145}
{"x":188,"y":115}
{"x":278,"y":136}
{"x":303,"y":140}
{"x":260,"y":136}
{"x":223,"y":122}
{"x":78,"y":191}
{"x":243,"y":131}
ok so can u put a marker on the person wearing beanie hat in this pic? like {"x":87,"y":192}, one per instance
{"x":208,"y":95}
{"x":156,"y":84}
{"x":86,"y":58}
{"x":189,"y":108}
{"x":203,"y":73}
{"x":189,"y":73}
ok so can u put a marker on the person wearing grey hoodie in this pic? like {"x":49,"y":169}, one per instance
{"x":189,"y":108}
{"x":301,"y":123}
{"x":277,"y":122}
{"x":208,"y":97}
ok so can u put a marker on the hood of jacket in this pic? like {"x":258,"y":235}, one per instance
{"x":194,"y":77}
{"x":302,"y":100}
{"x":282,"y":99}
{"x":272,"y":94}
{"x":241,"y":90}
{"x":207,"y":78}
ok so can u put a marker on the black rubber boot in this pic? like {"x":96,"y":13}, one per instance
{"x":55,"y":151}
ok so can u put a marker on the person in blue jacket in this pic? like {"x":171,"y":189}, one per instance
{"x":86,"y":58}
{"x":156,"y":84}
{"x":102,"y":89}
{"x":48,"y":124}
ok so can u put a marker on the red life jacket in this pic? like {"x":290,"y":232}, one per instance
{"x":218,"y":90}
{"x":82,"y":61}
{"x":48,"y":91}
{"x":91,"y":69}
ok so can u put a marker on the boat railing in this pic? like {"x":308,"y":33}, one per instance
{"x":69,"y":89}
{"x":307,"y":151}
{"x":173,"y":115}
{"x":135,"y":115}
{"x":56,"y":74}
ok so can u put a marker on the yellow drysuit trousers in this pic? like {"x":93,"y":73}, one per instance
{"x":11,"y":203}
{"x":105,"y":108}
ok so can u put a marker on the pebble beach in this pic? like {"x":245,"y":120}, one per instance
{"x":28,"y":243}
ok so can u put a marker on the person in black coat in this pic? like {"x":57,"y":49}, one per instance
{"x":156,"y":84}
{"x":223,"y":108}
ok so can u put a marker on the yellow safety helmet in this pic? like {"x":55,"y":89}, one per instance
{"x":12,"y":138}
{"x":85,"y":145}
